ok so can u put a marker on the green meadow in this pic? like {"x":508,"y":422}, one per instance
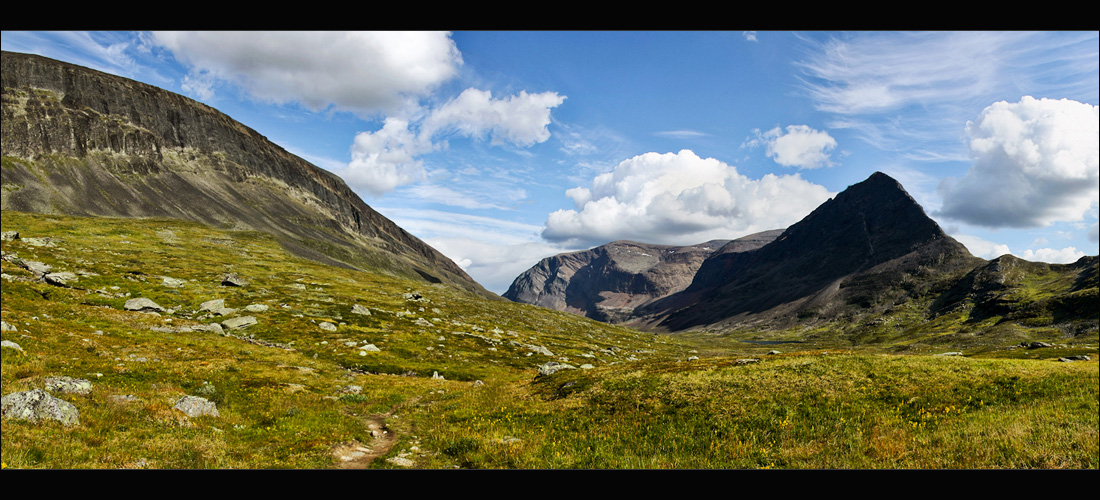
{"x":437,"y":378}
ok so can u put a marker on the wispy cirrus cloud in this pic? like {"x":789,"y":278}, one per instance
{"x":910,"y":92}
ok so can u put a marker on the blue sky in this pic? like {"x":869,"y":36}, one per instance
{"x":502,"y":148}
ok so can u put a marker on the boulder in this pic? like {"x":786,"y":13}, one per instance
{"x":553,"y":367}
{"x":232,"y":279}
{"x":36,"y":405}
{"x":216,"y":306}
{"x":239,"y":322}
{"x":172,"y":282}
{"x":38,"y":268}
{"x":358,"y":309}
{"x":142,"y":304}
{"x":59,"y":279}
{"x":11,"y":345}
{"x":329,"y":327}
{"x":194,"y":406}
{"x":69,"y":385}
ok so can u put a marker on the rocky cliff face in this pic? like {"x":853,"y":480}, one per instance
{"x":609,"y":282}
{"x":82,"y":142}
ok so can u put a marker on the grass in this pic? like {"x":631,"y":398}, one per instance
{"x":282,"y":386}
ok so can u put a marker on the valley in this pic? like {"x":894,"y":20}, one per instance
{"x":177,"y":292}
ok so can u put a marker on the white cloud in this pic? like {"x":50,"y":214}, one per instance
{"x":749,"y":35}
{"x":1054,"y":256}
{"x":906,"y":92}
{"x":1035,"y":162}
{"x":358,"y":71}
{"x":387,"y":158}
{"x":520,"y":119}
{"x":982,"y":248}
{"x":680,"y":198}
{"x":798,"y":146}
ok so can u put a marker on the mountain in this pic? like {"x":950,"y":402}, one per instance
{"x":609,"y":282}
{"x":870,"y":247}
{"x":82,"y":142}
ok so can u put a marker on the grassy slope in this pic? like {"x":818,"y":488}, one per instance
{"x":278,"y":383}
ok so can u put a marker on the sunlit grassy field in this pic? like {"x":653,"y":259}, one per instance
{"x":457,"y":375}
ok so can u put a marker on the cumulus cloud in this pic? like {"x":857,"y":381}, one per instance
{"x":387,"y":158}
{"x":680,"y":198}
{"x":1035,"y":162}
{"x":359,"y":71}
{"x":981,"y":247}
{"x":986,"y":249}
{"x":520,"y":119}
{"x":1052,"y":255}
{"x":798,"y":146}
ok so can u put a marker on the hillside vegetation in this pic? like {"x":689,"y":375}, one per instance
{"x":435,"y":377}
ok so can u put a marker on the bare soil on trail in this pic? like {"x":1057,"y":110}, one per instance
{"x":356,"y":455}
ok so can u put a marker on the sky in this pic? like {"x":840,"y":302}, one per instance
{"x":502,"y":148}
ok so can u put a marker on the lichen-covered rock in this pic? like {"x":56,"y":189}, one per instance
{"x":216,"y":306}
{"x":194,"y":406}
{"x":327,"y":326}
{"x":239,"y":322}
{"x":232,"y":279}
{"x":11,"y":345}
{"x":69,"y":385}
{"x":553,"y":367}
{"x":358,"y":309}
{"x":142,"y":304}
{"x":37,"y":405}
{"x":59,"y":279}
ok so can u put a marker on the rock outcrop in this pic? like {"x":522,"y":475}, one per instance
{"x":609,"y":282}
{"x":82,"y":142}
{"x":37,"y":405}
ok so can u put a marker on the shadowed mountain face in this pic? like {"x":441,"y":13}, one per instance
{"x":82,"y":142}
{"x":609,"y":282}
{"x":866,"y":247}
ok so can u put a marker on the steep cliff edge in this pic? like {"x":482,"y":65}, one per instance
{"x":82,"y":142}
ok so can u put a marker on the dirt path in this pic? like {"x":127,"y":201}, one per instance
{"x":356,"y":455}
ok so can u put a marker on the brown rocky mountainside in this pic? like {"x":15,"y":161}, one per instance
{"x":82,"y":142}
{"x":609,"y":282}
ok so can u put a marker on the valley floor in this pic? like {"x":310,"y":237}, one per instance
{"x":338,"y":368}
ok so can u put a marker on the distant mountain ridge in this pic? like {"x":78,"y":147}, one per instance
{"x":82,"y":142}
{"x":609,"y":282}
{"x":862,"y":254}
